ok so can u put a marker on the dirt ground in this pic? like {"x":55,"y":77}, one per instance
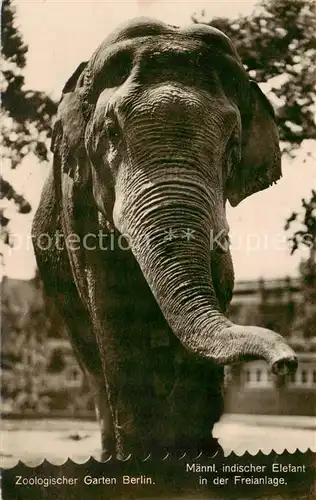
{"x":33,"y":440}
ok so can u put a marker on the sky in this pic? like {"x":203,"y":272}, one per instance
{"x":62,"y":34}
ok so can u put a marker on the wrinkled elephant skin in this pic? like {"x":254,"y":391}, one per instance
{"x":153,"y":135}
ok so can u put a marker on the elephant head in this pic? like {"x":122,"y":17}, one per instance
{"x":166,"y":126}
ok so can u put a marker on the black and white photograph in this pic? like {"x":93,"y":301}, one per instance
{"x":158,"y":241}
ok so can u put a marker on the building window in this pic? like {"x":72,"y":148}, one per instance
{"x":304,"y":376}
{"x":57,"y":361}
{"x":74,"y":375}
{"x":257,"y":375}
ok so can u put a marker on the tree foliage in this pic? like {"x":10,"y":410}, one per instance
{"x":306,"y":234}
{"x":277,"y":43}
{"x":7,"y":191}
{"x":26,"y":114}
{"x":37,"y":362}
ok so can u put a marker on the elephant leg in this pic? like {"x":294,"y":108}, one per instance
{"x":194,"y":405}
{"x":137,"y":409}
{"x":103,"y":414}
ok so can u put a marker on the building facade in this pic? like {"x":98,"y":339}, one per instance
{"x":281,"y":306}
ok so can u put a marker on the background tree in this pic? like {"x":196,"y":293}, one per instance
{"x":25,"y":115}
{"x":305,"y":235}
{"x":277,"y":43}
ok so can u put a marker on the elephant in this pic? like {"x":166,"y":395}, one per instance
{"x":154,"y":134}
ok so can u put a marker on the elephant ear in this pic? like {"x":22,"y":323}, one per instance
{"x":260,"y":164}
{"x":75,"y":78}
{"x":70,"y":123}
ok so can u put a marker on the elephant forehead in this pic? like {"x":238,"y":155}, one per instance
{"x":146,"y":27}
{"x":128,"y":53}
{"x":183,"y":55}
{"x":146,"y":38}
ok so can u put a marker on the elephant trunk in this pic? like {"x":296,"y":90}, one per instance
{"x":169,"y":235}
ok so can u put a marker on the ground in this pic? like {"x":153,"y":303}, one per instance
{"x":33,"y":440}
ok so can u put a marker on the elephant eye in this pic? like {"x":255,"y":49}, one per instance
{"x":112,"y":131}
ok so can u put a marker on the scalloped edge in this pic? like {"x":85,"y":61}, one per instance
{"x":92,"y":459}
